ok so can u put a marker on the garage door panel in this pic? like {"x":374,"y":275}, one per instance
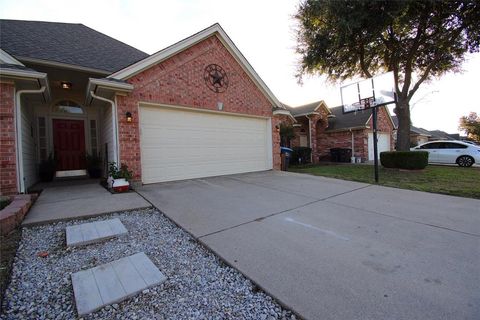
{"x":178,"y":144}
{"x":383,"y":144}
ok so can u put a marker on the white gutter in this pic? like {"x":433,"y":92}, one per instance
{"x":112,"y":85}
{"x":114,"y":125}
{"x":286,"y":113}
{"x":18,"y":135}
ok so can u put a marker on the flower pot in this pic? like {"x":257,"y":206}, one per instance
{"x":120,"y":185}
{"x":110,"y":182}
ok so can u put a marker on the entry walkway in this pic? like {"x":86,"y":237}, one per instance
{"x":79,"y":199}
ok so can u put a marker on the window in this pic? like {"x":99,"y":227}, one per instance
{"x":42,"y":138}
{"x":453,"y":145}
{"x":93,"y":136}
{"x":434,"y":145}
{"x":67,"y":106}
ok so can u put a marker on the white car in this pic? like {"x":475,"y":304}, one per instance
{"x":451,"y":151}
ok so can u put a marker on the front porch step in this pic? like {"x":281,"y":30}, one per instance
{"x":114,"y":282}
{"x":87,"y":233}
{"x":71,"y":173}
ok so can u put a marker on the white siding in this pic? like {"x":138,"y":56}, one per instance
{"x":106,"y":133}
{"x":29,"y":148}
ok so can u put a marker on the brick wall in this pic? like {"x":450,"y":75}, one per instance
{"x":326,"y":141}
{"x":343,"y":139}
{"x":8,"y":168}
{"x":278,"y":120}
{"x":384,"y":125}
{"x":179,"y":80}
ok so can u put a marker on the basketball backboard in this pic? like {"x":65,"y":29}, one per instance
{"x":372,"y":92}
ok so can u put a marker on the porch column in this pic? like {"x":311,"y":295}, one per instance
{"x":8,"y":157}
{"x":276,"y":157}
{"x":312,"y":124}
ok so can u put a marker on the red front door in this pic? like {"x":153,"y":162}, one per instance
{"x":69,"y":144}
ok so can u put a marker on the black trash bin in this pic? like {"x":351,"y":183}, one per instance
{"x":335,"y":154}
{"x":345,"y":155}
{"x":288,"y":154}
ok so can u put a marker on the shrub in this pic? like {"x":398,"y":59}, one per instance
{"x":119,"y":173}
{"x":411,"y":160}
{"x":302,"y":153}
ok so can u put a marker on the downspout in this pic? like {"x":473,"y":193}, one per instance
{"x":352,"y":159}
{"x":18,"y":135}
{"x":114,"y":124}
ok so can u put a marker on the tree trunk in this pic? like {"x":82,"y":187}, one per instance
{"x":403,"y":132}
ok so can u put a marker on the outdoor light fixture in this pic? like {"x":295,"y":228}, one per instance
{"x":66,"y":85}
{"x":129,"y":116}
{"x":277,"y":127}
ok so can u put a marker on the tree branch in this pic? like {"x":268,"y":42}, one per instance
{"x":411,"y":54}
{"x":363,"y":66}
{"x":421,"y":80}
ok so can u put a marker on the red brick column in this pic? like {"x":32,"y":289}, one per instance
{"x":129,"y":135}
{"x":278,"y":120}
{"x":8,"y":158}
{"x":313,"y":119}
{"x":277,"y":160}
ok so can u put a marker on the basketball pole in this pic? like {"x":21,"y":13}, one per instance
{"x":375,"y":147}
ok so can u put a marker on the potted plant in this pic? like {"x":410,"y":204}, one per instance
{"x":118,"y":177}
{"x":46,"y":168}
{"x":94,"y":165}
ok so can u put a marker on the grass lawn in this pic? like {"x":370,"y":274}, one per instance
{"x":451,"y":180}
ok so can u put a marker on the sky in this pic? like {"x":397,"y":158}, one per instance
{"x":263,"y":30}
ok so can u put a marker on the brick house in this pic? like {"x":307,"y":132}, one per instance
{"x":322,"y":128}
{"x":194,"y":109}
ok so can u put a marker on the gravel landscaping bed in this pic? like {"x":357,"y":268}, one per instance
{"x":198,"y":286}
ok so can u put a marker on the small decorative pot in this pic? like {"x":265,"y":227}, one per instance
{"x":110,"y":182}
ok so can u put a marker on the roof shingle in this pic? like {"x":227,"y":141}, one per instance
{"x":342,"y":121}
{"x":68,"y":43}
{"x":307,"y":108}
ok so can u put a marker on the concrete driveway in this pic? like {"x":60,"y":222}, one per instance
{"x":333,"y":249}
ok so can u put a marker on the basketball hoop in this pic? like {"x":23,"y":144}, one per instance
{"x":369,"y":94}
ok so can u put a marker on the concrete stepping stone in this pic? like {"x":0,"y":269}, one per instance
{"x":91,"y":232}
{"x":114,"y":282}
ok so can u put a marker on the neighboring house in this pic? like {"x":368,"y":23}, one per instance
{"x":322,"y":128}
{"x":442,"y":135}
{"x":194,"y":109}
{"x":419,"y":135}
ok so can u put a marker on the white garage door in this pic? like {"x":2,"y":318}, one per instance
{"x":383,"y":144}
{"x":181,"y":144}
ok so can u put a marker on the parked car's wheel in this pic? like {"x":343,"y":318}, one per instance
{"x":465,"y":161}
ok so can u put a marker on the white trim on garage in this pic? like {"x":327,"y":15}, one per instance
{"x":180,"y":143}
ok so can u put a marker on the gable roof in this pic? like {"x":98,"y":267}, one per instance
{"x":214,"y":30}
{"x":342,"y":121}
{"x":413,"y":129}
{"x":420,"y":131}
{"x":442,"y":135}
{"x":307,"y":108}
{"x":65,"y":43}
